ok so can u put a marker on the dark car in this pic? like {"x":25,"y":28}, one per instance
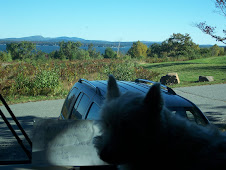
{"x":86,"y":97}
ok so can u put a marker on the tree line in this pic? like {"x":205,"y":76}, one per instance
{"x":177,"y":46}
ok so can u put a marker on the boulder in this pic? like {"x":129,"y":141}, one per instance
{"x":170,"y":78}
{"x":205,"y":78}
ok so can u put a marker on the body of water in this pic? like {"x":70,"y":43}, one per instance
{"x":48,"y":49}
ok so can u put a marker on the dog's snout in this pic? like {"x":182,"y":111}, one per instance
{"x":112,"y":156}
{"x":107,"y":155}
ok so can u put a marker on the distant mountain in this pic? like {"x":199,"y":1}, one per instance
{"x":41,"y":38}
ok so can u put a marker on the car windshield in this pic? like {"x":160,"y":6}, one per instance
{"x":190,"y":113}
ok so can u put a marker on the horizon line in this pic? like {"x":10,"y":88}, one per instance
{"x":92,"y":40}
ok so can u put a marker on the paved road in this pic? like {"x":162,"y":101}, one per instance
{"x":210,"y":99}
{"x":25,"y":113}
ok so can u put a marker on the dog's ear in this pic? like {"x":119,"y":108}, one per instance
{"x":112,"y":89}
{"x":153,"y":99}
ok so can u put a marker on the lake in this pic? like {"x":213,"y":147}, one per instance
{"x":48,"y":49}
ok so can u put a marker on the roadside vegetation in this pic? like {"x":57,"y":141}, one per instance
{"x":27,"y":74}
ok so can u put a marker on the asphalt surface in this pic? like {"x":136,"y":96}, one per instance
{"x":25,"y":114}
{"x":211,"y":99}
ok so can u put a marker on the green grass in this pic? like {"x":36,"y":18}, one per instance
{"x":211,"y":60}
{"x":189,"y":71}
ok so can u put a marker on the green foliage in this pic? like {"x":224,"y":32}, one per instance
{"x":67,"y":50}
{"x":176,"y":46}
{"x":138,"y":50}
{"x":127,"y":71}
{"x":216,"y":50}
{"x":42,"y":56}
{"x":80,"y":54}
{"x":71,"y":51}
{"x":55,"y":77}
{"x":110,"y":53}
{"x":93,"y":53}
{"x":4,"y":56}
{"x":45,"y":82}
{"x":21,"y":50}
{"x":121,"y":71}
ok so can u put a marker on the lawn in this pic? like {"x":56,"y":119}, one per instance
{"x":189,"y":71}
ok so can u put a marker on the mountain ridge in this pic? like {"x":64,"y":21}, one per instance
{"x":61,"y":38}
{"x":40,"y":40}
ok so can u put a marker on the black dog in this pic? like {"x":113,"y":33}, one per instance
{"x":140,"y":133}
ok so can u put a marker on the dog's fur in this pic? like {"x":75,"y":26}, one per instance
{"x":139,"y":132}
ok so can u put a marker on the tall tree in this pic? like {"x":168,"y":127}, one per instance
{"x":154,"y":50}
{"x":68,"y":49}
{"x":210,"y":30}
{"x":215,"y":50}
{"x":138,"y":49}
{"x":177,"y":45}
{"x":92,"y":52}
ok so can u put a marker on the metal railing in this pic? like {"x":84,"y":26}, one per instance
{"x":28,"y":153}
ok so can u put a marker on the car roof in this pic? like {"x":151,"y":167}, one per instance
{"x":170,"y":97}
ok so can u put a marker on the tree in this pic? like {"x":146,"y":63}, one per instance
{"x":109,"y":53}
{"x":179,"y":44}
{"x":80,"y":55}
{"x":154,"y":50}
{"x":68,"y":49}
{"x":216,"y":50}
{"x":210,"y":30}
{"x":93,"y":53}
{"x":137,"y":50}
{"x":175,"y":46}
{"x":21,"y":50}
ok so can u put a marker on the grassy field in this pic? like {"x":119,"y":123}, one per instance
{"x":189,"y":71}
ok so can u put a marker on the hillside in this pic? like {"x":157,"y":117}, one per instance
{"x":40,"y":40}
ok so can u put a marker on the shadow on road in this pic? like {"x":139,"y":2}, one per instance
{"x":10,"y":148}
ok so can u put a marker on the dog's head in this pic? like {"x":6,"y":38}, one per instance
{"x":129,"y":121}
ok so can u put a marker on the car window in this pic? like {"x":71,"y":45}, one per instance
{"x":68,"y":101}
{"x":188,"y":113}
{"x":93,"y":113}
{"x":71,"y":96}
{"x":80,"y":106}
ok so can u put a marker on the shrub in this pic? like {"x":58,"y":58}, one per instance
{"x":128,"y":71}
{"x":110,"y":53}
{"x":4,"y":56}
{"x":121,"y":71}
{"x":55,"y":77}
{"x":45,"y":82}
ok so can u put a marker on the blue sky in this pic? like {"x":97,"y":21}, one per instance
{"x":112,"y":20}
